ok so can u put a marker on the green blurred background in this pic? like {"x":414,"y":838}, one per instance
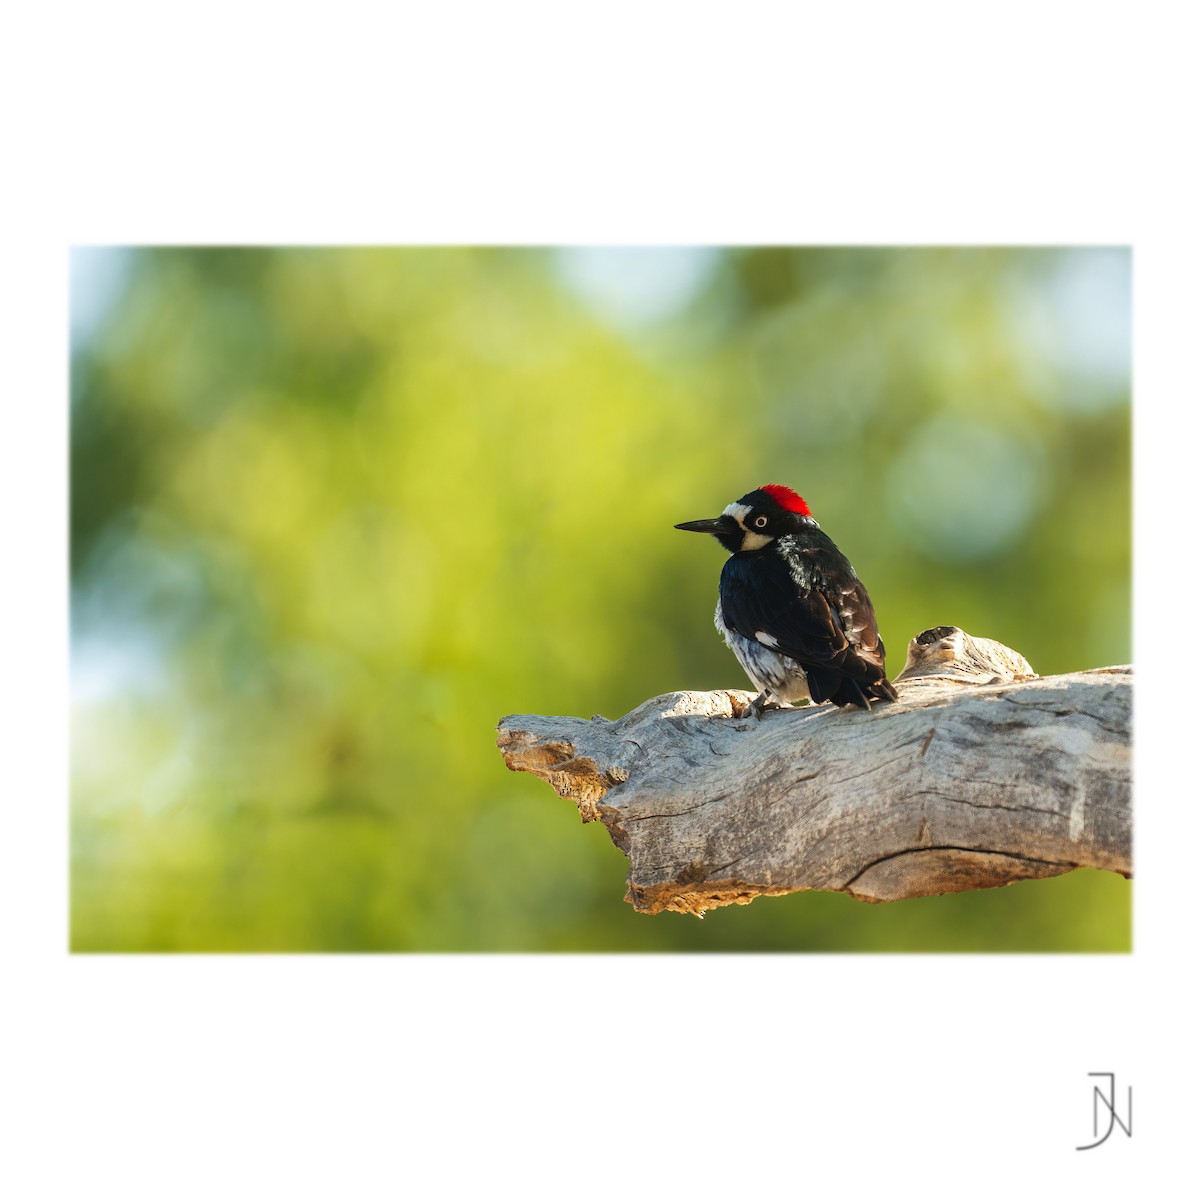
{"x":335,"y":511}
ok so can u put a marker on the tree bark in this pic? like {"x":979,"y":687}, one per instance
{"x":980,"y":775}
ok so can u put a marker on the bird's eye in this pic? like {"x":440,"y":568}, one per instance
{"x":760,"y":522}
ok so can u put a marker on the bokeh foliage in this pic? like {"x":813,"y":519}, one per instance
{"x":335,"y":511}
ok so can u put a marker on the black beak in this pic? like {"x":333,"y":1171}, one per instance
{"x":714,"y":525}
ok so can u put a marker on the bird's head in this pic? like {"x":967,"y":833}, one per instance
{"x":755,"y":520}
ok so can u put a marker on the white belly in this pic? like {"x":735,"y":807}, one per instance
{"x":768,"y":670}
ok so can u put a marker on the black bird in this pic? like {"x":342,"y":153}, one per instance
{"x":791,"y":607}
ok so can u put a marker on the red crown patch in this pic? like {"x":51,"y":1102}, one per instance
{"x":786,"y":498}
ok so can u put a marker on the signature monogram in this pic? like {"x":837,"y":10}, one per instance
{"x":1109,"y":1102}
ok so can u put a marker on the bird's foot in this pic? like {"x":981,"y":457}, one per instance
{"x":754,"y":709}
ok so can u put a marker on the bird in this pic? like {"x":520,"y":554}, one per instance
{"x":791,"y":608}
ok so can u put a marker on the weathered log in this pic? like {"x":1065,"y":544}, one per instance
{"x":980,"y":775}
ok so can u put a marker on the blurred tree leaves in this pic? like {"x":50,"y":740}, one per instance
{"x":335,"y":511}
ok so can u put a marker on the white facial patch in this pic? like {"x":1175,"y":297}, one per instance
{"x":751,"y":540}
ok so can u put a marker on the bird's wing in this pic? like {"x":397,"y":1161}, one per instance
{"x":822,"y":623}
{"x":852,"y":609}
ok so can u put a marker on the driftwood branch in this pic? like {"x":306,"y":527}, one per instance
{"x":981,"y":774}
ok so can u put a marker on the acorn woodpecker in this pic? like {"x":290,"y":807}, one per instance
{"x":791,"y":607}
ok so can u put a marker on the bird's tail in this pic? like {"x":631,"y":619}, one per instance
{"x":860,"y":695}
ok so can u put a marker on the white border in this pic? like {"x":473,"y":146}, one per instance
{"x":1042,"y":123}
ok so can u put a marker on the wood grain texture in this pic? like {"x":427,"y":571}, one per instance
{"x":981,"y":774}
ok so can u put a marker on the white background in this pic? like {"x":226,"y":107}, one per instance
{"x":623,"y":123}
